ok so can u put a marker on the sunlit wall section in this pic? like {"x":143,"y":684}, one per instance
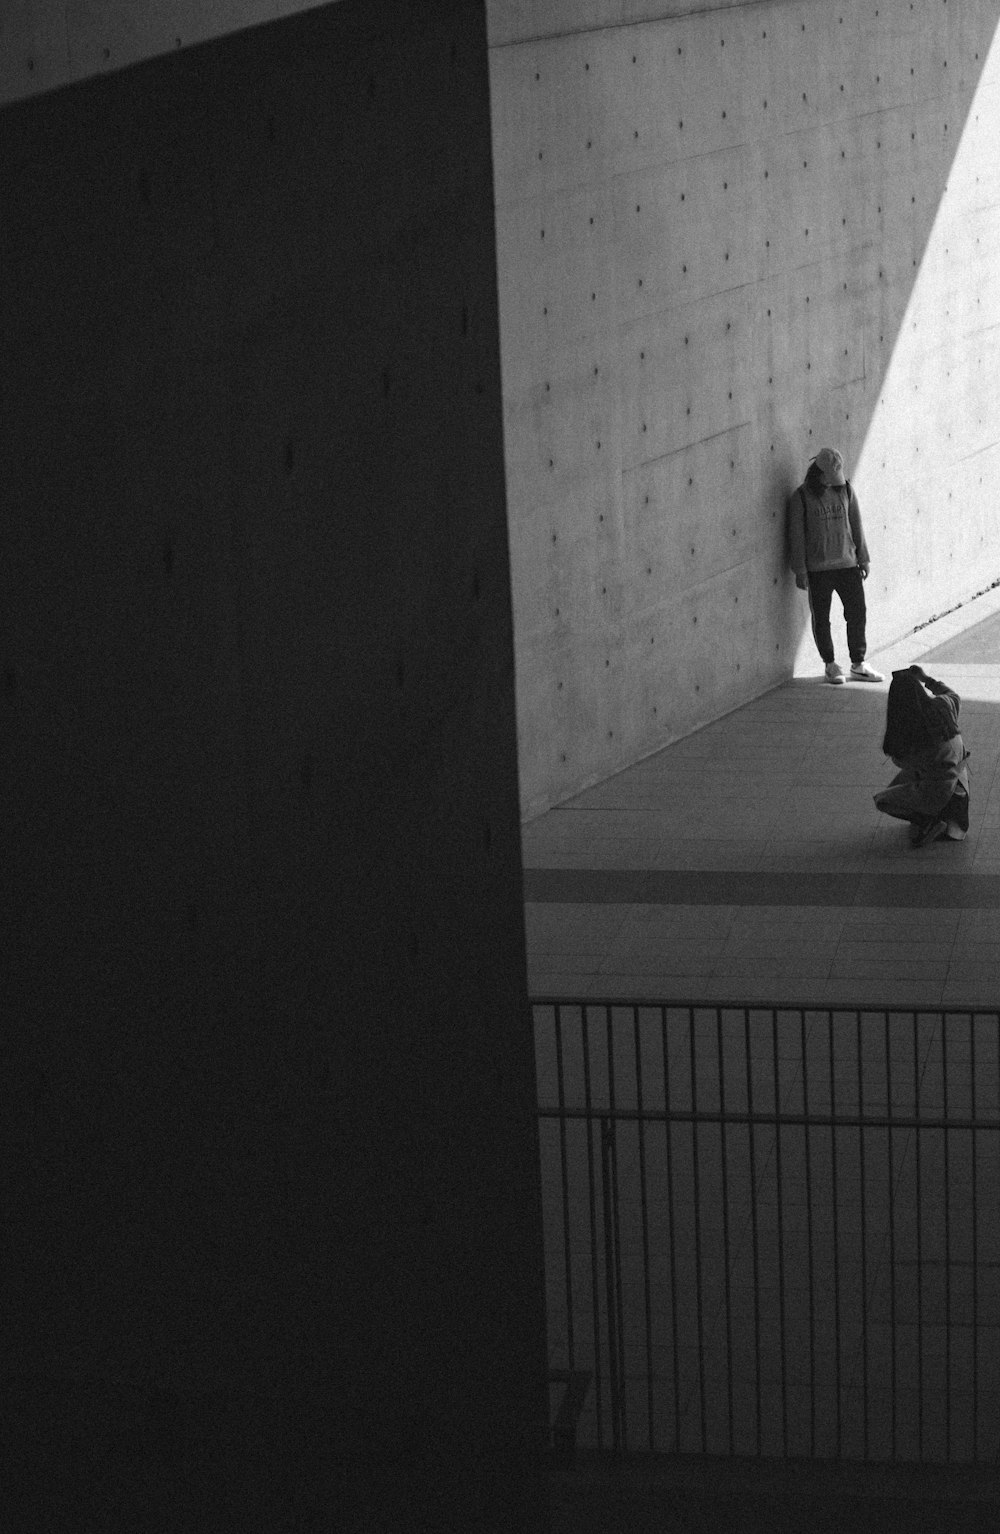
{"x":714,"y":235}
{"x":931,"y":454}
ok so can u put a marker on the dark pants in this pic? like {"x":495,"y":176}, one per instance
{"x":850,"y":588}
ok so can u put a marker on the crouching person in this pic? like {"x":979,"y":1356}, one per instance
{"x":931,"y":789}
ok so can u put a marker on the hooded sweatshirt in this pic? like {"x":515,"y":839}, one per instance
{"x":824,"y":530}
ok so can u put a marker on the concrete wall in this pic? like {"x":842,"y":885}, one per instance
{"x":48,"y":43}
{"x":725,"y":239}
{"x":270,"y":1180}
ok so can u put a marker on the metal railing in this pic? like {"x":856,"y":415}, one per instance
{"x":774,"y":1230}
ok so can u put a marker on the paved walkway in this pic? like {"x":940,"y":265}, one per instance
{"x":748,"y":863}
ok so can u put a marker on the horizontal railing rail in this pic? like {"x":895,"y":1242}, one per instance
{"x":840,"y":1121}
{"x":774,"y":1229}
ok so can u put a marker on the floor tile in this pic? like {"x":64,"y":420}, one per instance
{"x":802,"y":922}
{"x":970,"y":951}
{"x":964,"y":969}
{"x":573,"y":921}
{"x":600,"y":853}
{"x":884,"y":991}
{"x":808,"y":964}
{"x":656,"y":985}
{"x":894,"y":952}
{"x":849,"y":966}
{"x":784,"y":943}
{"x":979,"y":925}
{"x":664,"y":959}
{"x":560,"y":984}
{"x":798,"y":856}
{"x":693,"y":853}
{"x":569,"y":965}
{"x":648,"y":924}
{"x":872,"y":924}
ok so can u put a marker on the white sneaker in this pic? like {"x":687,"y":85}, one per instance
{"x":865,"y":673}
{"x":955,"y":833}
{"x":835,"y":673}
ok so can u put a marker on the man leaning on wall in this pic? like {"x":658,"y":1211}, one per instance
{"x":828,"y":553}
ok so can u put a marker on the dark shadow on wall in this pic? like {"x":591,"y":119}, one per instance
{"x":270,"y":1162}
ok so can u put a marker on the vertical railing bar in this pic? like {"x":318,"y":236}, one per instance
{"x":947,"y":1245}
{"x":780,"y":1235}
{"x":607,"y":1155}
{"x":726,"y":1255}
{"x":564,"y":1167}
{"x":920,"y":1269}
{"x":699,"y":1297}
{"x":864,"y":1248}
{"x":668,"y":1131}
{"x":753,"y":1226}
{"x":975,"y":1246}
{"x":809,"y":1242}
{"x":618,"y":1306}
{"x":836,"y":1237}
{"x":594,"y":1269}
{"x":892,"y":1238}
{"x":648,"y":1306}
